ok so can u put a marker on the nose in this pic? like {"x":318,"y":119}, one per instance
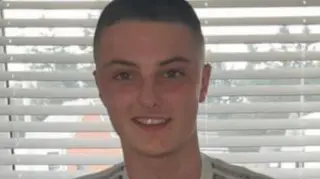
{"x":147,"y":96}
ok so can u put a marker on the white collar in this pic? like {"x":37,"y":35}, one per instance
{"x":205,"y":168}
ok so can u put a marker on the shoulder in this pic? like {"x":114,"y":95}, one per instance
{"x":226,"y":169}
{"x":109,"y":173}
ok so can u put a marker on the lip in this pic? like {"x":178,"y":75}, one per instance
{"x":151,"y":117}
{"x":150,"y":128}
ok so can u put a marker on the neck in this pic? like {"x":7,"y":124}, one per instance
{"x":181,"y":164}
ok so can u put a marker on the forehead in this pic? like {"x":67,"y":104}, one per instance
{"x":144,"y":40}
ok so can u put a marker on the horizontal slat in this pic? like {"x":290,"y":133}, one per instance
{"x":38,"y":175}
{"x":265,"y":90}
{"x":51,"y":110}
{"x":280,"y":73}
{"x":91,"y":23}
{"x":298,"y":173}
{"x":56,"y":41}
{"x":43,"y":76}
{"x":212,"y":57}
{"x":261,"y":56}
{"x":47,"y":58}
{"x":92,"y":92}
{"x":196,"y":4}
{"x":233,"y":108}
{"x":210,"y":39}
{"x":60,"y":160}
{"x":49,"y":93}
{"x":214,"y":21}
{"x":86,"y":4}
{"x":203,"y":125}
{"x":259,"y":21}
{"x":240,"y":158}
{"x":56,"y":127}
{"x":281,"y":107}
{"x":206,"y":141}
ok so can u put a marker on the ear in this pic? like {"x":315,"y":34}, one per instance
{"x":205,"y":81}
{"x":94,"y":74}
{"x":96,"y":81}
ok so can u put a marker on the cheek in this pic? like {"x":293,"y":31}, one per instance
{"x":116,"y":89}
{"x":116,"y":97}
{"x":182,"y":99}
{"x":119,"y":107}
{"x":178,"y":87}
{"x":179,"y":91}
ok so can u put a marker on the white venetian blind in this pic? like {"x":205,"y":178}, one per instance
{"x":262,"y":110}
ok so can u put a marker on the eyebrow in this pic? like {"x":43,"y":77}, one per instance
{"x":174,"y":60}
{"x":131,"y":64}
{"x":119,"y":62}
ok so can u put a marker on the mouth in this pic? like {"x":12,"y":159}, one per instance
{"x":151,"y":123}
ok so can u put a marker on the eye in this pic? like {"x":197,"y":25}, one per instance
{"x":122,"y":76}
{"x":173,"y":74}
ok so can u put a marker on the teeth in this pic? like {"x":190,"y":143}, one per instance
{"x":151,"y":121}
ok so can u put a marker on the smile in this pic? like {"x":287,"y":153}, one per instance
{"x":151,"y":122}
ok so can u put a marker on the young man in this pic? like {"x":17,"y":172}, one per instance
{"x":151,"y":76}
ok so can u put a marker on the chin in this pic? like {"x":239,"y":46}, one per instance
{"x":156,"y":151}
{"x":156,"y":154}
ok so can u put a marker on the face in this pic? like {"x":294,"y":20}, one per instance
{"x":150,"y":78}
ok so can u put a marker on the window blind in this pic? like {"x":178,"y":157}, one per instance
{"x":262,"y":110}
